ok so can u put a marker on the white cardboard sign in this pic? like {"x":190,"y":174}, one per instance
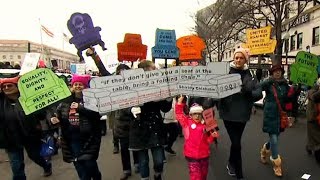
{"x":30,"y":62}
{"x":135,"y":87}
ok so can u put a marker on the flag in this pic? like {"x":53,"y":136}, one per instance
{"x":47,"y":31}
{"x":65,"y":37}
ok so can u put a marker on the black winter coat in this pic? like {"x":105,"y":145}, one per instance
{"x":90,"y":131}
{"x":237,"y":107}
{"x":123,"y":118}
{"x":147,"y":130}
{"x":16,"y":128}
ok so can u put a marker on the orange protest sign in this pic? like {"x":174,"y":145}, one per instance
{"x":132,"y":48}
{"x":191,"y":47}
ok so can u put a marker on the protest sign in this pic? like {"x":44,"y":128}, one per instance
{"x":78,"y":69}
{"x":211,"y":122}
{"x":165,"y":45}
{"x":30,"y":62}
{"x":136,"y":86}
{"x":191,"y":47}
{"x":259,"y":42}
{"x":85,"y":35}
{"x":131,"y":49}
{"x":304,"y":70}
{"x":40,"y":88}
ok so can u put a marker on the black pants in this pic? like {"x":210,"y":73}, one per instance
{"x":235,"y":131}
{"x":115,"y":140}
{"x":125,"y":155}
{"x":172,"y":133}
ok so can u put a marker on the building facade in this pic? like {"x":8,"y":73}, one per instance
{"x":303,"y":34}
{"x":13,"y":52}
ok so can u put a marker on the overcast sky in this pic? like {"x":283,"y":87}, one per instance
{"x":20,"y":19}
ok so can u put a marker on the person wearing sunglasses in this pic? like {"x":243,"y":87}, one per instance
{"x":18,"y":131}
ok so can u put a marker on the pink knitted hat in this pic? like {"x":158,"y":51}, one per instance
{"x":84,"y":79}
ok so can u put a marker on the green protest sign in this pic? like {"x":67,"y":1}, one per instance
{"x":304,"y":70}
{"x":40,"y":88}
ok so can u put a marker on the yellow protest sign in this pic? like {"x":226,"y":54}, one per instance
{"x":40,"y":88}
{"x":259,"y":42}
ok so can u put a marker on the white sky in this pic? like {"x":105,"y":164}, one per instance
{"x":20,"y":20}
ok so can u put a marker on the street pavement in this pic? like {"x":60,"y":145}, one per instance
{"x":296,"y":161}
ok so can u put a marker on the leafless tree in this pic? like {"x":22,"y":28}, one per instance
{"x":226,"y":20}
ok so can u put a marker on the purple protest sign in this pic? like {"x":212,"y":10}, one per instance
{"x":84,"y":33}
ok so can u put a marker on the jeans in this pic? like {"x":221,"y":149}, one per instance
{"x":16,"y":158}
{"x":125,"y":155}
{"x":235,"y":131}
{"x":86,"y":169}
{"x":157,"y":155}
{"x":273,"y":145}
{"x":172,"y":132}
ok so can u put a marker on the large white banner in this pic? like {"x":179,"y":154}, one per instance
{"x":135,"y":87}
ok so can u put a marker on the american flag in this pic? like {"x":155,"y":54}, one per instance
{"x":65,"y":37}
{"x":47,"y":31}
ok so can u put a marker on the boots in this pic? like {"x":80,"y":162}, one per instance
{"x":264,"y":154}
{"x":276,"y":166}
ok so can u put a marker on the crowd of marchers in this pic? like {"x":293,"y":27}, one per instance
{"x":154,"y":126}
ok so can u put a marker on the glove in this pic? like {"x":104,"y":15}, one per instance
{"x":135,"y":111}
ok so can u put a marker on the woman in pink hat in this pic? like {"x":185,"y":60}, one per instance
{"x":81,"y":132}
{"x":235,"y":110}
{"x":19,"y":132}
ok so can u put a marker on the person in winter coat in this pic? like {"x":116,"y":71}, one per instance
{"x":122,"y":120}
{"x":235,"y":110}
{"x":81,"y":133}
{"x":172,"y":128}
{"x":313,"y":121}
{"x":197,"y":140}
{"x":147,"y":131}
{"x":271,"y":115}
{"x":19,"y":131}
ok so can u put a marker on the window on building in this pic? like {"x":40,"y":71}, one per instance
{"x":299,"y":41}
{"x":19,"y":56}
{"x":230,"y":54}
{"x":315,"y":36}
{"x":11,"y":56}
{"x":286,"y":45}
{"x":4,"y":57}
{"x":292,"y":43}
{"x":286,"y":11}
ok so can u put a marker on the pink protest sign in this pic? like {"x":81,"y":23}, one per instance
{"x":211,"y":122}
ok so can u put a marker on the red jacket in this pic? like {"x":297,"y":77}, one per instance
{"x":197,"y":141}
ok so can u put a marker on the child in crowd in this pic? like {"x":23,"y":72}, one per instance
{"x":197,"y":139}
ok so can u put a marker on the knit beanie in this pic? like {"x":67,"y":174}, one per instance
{"x":244,"y":51}
{"x":84,"y":79}
{"x":13,"y":80}
{"x":195,"y":108}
